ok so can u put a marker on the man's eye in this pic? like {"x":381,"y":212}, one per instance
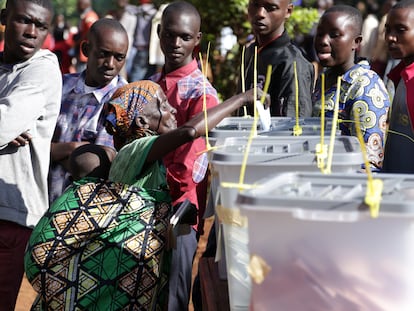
{"x":401,"y":29}
{"x":270,"y":8}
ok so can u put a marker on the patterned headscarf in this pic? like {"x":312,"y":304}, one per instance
{"x":125,"y":105}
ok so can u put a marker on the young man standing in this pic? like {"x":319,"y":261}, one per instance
{"x":399,"y":35}
{"x":81,"y":118}
{"x":274,"y":47}
{"x":30,"y":92}
{"x":183,"y":83}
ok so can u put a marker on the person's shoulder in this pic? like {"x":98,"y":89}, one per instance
{"x":196,"y":84}
{"x":362,"y":68}
{"x":284,"y":50}
{"x":43,"y":62}
{"x":134,"y":147}
{"x":70,"y":80}
{"x":131,"y":9}
{"x":45,"y":55}
{"x":71,"y":76}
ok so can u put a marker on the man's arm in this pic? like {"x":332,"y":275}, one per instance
{"x":24,"y":103}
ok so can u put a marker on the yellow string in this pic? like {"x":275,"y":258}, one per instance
{"x":373,"y":193}
{"x":243,"y":82}
{"x":267,"y":83}
{"x":322,"y":148}
{"x":253,"y":131}
{"x":328,"y":168}
{"x":388,"y":131}
{"x":323,"y":109}
{"x":240,"y":186}
{"x":254,"y":127}
{"x":204,"y":70}
{"x":297,"y":129}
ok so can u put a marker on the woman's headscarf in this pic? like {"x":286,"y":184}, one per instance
{"x":125,"y":105}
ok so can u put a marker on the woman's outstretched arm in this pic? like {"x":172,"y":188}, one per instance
{"x":196,"y":127}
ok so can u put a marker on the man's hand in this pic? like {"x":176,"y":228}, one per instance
{"x":22,"y":140}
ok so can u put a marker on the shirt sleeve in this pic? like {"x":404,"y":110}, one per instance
{"x":27,"y":100}
{"x":369,"y":100}
{"x":197,"y":105}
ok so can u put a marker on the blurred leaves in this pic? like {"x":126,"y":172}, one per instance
{"x":301,"y":21}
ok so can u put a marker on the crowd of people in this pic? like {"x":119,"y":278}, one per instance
{"x":97,"y":157}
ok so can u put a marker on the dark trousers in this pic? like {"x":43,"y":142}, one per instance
{"x":181,"y":272}
{"x":210,"y":251}
{"x":13,"y":241}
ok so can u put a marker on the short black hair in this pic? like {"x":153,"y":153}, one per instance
{"x":182,"y":6}
{"x":47,"y":4}
{"x":353,"y":13}
{"x":105,"y":24}
{"x":404,"y":4}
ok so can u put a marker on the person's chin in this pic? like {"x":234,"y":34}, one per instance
{"x":106,"y":79}
{"x":175,"y":58}
{"x":396,"y":54}
{"x":326,"y":62}
{"x":24,"y":55}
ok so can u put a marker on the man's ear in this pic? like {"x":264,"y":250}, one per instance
{"x":85,"y":47}
{"x":3,"y":16}
{"x":198,"y":37}
{"x":358,"y":40}
{"x":289,"y":10}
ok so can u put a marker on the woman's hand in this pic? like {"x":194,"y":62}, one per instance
{"x":249,"y":97}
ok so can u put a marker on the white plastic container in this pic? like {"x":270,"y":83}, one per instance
{"x":324,"y":250}
{"x":268,"y":155}
{"x":280,"y":126}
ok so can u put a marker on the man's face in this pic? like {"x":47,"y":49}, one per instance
{"x":399,"y":34}
{"x":179,"y":34}
{"x":27,"y":26}
{"x":106,"y":54}
{"x":267,"y":18}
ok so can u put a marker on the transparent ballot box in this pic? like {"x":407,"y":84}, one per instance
{"x":267,"y":156}
{"x":280,"y":126}
{"x":316,"y":246}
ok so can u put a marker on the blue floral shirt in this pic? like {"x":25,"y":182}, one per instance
{"x":362,"y":91}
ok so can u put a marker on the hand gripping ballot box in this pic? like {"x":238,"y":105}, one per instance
{"x":267,"y":155}
{"x":314,"y":243}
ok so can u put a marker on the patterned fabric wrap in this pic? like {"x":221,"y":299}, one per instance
{"x":125,"y":105}
{"x":100,"y":247}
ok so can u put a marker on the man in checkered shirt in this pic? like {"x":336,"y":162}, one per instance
{"x":81,"y":119}
{"x":183,"y":83}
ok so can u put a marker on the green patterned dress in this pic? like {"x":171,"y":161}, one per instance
{"x":101,"y":245}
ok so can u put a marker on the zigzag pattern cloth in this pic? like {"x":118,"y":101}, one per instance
{"x":100,"y":246}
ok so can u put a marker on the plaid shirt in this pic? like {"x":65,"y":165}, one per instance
{"x":80,"y":119}
{"x":185,"y":167}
